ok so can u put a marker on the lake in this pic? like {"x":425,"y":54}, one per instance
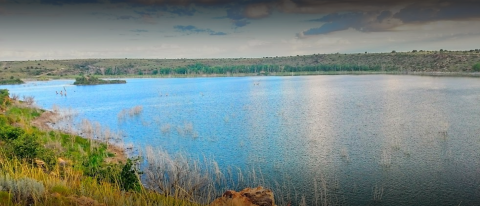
{"x":344,"y":139}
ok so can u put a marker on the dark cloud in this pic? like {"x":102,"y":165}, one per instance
{"x":366,"y":16}
{"x":240,"y":14}
{"x":384,"y":15}
{"x":386,"y":20}
{"x":336,"y":22}
{"x":418,"y":13}
{"x":61,"y":2}
{"x":155,"y":10}
{"x":190,"y":29}
{"x":182,"y":11}
{"x":235,"y":13}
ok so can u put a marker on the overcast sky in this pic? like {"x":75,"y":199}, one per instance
{"x":53,"y":29}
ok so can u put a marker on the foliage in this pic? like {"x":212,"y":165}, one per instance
{"x":397,"y":61}
{"x":92,"y":80}
{"x":4,"y":99}
{"x":11,"y":81}
{"x":129,"y":180}
{"x":24,"y":189}
{"x":10,"y":133}
{"x":476,"y":67}
{"x":26,"y":147}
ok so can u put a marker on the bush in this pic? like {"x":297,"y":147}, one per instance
{"x":26,"y":147}
{"x":47,"y":155}
{"x":128,"y":177}
{"x":476,"y":67}
{"x":24,"y":189}
{"x":11,"y":133}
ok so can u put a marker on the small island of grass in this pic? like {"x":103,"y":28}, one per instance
{"x":11,"y":81}
{"x":92,"y":80}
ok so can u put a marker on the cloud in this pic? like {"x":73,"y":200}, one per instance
{"x":387,"y":20}
{"x":237,"y":16}
{"x":139,"y":30}
{"x":240,"y":23}
{"x":219,"y":33}
{"x":190,"y":29}
{"x":257,"y":11}
{"x":420,"y":13}
{"x":360,"y":21}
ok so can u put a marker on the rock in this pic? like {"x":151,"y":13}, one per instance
{"x":62,"y":162}
{"x":247,"y":197}
{"x":39,"y":163}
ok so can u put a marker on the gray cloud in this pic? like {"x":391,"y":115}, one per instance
{"x":218,"y":33}
{"x":190,"y":29}
{"x":418,"y":13}
{"x":386,"y":20}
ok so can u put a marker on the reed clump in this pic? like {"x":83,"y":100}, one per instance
{"x":130,"y":112}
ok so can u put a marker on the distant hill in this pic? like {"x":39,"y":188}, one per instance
{"x":414,"y":61}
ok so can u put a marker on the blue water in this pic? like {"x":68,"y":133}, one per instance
{"x":417,"y":138}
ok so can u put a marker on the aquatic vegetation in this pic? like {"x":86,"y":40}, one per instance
{"x":386,"y":158}
{"x":377,"y":193}
{"x":344,"y":154}
{"x":131,"y":112}
{"x":29,"y":100}
{"x":165,"y":128}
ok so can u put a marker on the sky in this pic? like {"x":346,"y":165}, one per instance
{"x":79,"y":29}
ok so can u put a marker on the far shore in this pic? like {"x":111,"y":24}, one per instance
{"x":441,"y":74}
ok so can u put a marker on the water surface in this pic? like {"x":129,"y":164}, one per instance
{"x":414,"y":137}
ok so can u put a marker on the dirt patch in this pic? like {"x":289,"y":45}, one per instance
{"x":45,"y":119}
{"x":120,"y":156}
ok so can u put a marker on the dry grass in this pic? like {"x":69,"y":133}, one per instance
{"x":26,"y":184}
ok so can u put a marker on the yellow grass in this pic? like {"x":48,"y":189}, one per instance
{"x":66,"y":186}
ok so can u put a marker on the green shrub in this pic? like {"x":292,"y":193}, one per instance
{"x":11,"y":133}
{"x":60,"y":189}
{"x":128,"y":177}
{"x":5,"y":198}
{"x":26,"y":147}
{"x":3,"y":120}
{"x":47,"y":155}
{"x":476,"y":67}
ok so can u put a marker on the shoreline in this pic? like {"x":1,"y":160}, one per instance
{"x":47,"y":118}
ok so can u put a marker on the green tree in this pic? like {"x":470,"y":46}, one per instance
{"x":128,"y":177}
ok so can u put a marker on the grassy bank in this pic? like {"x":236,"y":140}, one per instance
{"x":44,"y":167}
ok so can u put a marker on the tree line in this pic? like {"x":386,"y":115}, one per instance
{"x":238,"y":69}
